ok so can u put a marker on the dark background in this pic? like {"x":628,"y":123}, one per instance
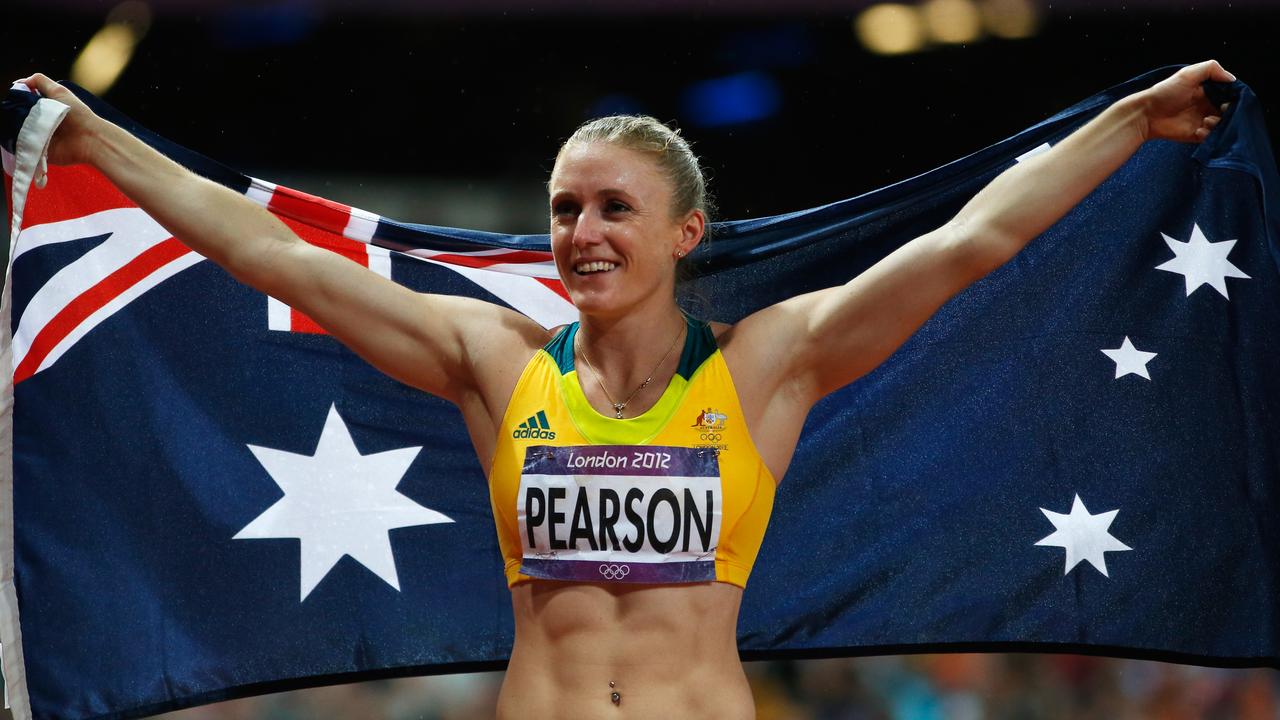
{"x":479,"y":95}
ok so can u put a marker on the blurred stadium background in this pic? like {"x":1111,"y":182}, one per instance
{"x":450,"y":111}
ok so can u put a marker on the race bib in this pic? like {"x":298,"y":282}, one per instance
{"x":622,"y":513}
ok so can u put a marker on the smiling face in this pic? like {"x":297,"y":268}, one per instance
{"x":612,"y":232}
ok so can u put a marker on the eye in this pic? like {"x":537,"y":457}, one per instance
{"x":615,"y":206}
{"x":564,"y":208}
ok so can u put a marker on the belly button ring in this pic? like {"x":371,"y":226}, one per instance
{"x":614,"y":696}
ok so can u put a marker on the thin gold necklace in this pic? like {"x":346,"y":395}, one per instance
{"x":618,"y":407}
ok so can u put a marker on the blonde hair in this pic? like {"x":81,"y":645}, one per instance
{"x":667,"y":147}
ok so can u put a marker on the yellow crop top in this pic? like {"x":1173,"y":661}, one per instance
{"x":677,"y":494}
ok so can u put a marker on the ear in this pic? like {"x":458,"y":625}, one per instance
{"x":691,"y":232}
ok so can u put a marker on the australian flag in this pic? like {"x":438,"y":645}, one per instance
{"x":205,"y":496}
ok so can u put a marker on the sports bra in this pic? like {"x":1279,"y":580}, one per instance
{"x":678,"y":494}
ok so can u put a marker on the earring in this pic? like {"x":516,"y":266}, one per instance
{"x":679,"y":253}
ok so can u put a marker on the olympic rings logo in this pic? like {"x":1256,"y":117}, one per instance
{"x":614,"y":572}
{"x":711,"y":436}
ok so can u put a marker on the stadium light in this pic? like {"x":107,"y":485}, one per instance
{"x":951,"y":21}
{"x":105,"y":56}
{"x":1010,"y":19}
{"x":890,"y":29}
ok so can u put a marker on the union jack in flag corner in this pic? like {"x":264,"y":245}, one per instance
{"x":1079,"y":453}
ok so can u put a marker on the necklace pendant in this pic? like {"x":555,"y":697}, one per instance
{"x":617,"y":409}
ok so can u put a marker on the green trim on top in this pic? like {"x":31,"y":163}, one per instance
{"x":699,"y":346}
{"x":560,"y":348}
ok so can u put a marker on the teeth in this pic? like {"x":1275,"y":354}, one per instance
{"x":595,"y":267}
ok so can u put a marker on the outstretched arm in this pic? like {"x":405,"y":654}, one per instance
{"x":437,"y":343}
{"x":836,"y":335}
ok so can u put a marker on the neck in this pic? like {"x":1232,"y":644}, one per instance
{"x":626,"y":349}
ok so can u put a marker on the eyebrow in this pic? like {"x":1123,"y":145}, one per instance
{"x":613,"y":191}
{"x":601,"y":191}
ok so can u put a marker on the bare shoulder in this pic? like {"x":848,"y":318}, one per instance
{"x":736,"y":354}
{"x":773,"y":407}
{"x":750,"y":346}
{"x":497,"y":343}
{"x":753,"y":350}
{"x":498,"y":346}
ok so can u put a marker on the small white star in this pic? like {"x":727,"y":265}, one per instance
{"x":1084,"y":536}
{"x":339,"y":502}
{"x":1201,"y":262}
{"x":1129,"y":359}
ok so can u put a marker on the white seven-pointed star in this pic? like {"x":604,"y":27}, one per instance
{"x":339,"y":502}
{"x":1201,"y":261}
{"x":1084,"y":536}
{"x":1129,"y":359}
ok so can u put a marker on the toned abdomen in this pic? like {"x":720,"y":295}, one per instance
{"x":669,"y":650}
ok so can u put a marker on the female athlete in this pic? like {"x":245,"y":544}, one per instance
{"x":616,"y":615}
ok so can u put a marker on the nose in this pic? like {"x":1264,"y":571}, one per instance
{"x":587,"y":230}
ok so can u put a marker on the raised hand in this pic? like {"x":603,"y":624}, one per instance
{"x":76,"y":138}
{"x":1176,"y":107}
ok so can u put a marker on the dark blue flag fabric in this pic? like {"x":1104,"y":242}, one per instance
{"x":207,"y":497}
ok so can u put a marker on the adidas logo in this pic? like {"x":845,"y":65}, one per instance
{"x":536,"y":427}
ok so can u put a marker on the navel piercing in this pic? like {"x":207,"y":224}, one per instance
{"x":614,"y":696}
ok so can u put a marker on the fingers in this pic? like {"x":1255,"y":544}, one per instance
{"x":1207,"y":70}
{"x":1217,"y":72}
{"x":1211,"y":70}
{"x":1206,"y":126}
{"x":41,"y":83}
{"x":30,"y":80}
